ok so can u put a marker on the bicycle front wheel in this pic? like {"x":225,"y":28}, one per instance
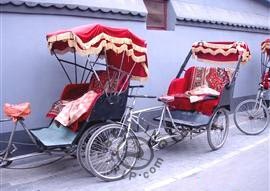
{"x":251,"y":117}
{"x":111,"y":153}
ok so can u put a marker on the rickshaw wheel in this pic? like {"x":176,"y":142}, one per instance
{"x":173,"y":132}
{"x":110,"y":154}
{"x":80,"y":153}
{"x":251,"y":117}
{"x":218,"y":129}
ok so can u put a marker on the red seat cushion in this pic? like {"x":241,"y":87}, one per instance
{"x":182,"y":103}
{"x":206,"y":106}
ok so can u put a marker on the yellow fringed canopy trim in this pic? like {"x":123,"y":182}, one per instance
{"x":108,"y":42}
{"x":219,"y":49}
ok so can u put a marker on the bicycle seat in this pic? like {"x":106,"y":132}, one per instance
{"x":16,"y":111}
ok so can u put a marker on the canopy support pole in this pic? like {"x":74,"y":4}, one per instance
{"x":71,"y":63}
{"x":92,"y":67}
{"x":184,"y":64}
{"x":86,"y":63}
{"x":128,"y":77}
{"x":121,"y":65}
{"x":60,"y":61}
{"x":236,"y":71}
{"x":75,"y":61}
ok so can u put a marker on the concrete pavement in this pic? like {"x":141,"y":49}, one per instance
{"x":242,"y":164}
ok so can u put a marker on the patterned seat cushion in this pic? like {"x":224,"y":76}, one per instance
{"x":215,"y":78}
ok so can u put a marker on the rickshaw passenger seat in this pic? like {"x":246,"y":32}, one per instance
{"x":215,"y":78}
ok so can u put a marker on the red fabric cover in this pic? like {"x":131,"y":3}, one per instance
{"x":76,"y":125}
{"x":265,"y":47}
{"x":94,"y":85}
{"x":221,"y":51}
{"x":74,"y":91}
{"x":94,"y":39}
{"x":70,"y":92}
{"x":215,"y":78}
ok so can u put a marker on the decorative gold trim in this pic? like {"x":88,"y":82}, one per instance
{"x":231,"y":49}
{"x":84,"y":49}
{"x":214,"y":52}
{"x":218,"y":46}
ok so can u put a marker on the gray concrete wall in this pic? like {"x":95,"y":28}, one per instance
{"x":29,"y":73}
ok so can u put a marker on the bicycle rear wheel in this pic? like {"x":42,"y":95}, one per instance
{"x":251,"y":117}
{"x":110,"y":153}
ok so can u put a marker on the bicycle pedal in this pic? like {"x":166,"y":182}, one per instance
{"x":13,"y":149}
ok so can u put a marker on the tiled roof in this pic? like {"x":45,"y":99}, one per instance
{"x":123,"y":7}
{"x":189,"y":12}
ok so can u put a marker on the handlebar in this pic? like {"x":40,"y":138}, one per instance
{"x":142,"y":96}
{"x":4,"y":120}
{"x":136,"y":86}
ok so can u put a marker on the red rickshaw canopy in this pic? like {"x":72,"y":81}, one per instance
{"x":265,"y":46}
{"x":114,"y":42}
{"x":217,"y":52}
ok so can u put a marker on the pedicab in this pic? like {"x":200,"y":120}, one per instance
{"x":197,"y":101}
{"x":252,"y":116}
{"x":97,"y":91}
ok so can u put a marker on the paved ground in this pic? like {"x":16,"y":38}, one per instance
{"x":241,"y":165}
{"x":244,"y":172}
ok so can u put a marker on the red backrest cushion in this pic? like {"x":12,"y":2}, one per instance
{"x":74,"y":91}
{"x":180,"y":85}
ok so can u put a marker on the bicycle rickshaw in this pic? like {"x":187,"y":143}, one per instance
{"x":98,"y":92}
{"x":198,"y":100}
{"x":252,"y":116}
